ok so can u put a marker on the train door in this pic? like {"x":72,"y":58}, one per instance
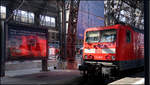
{"x":129,"y":43}
{"x":129,"y":48}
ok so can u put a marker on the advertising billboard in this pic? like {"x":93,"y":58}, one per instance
{"x":26,"y":42}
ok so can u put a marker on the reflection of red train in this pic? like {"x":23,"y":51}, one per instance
{"x":30,"y":46}
{"x":108,"y":50}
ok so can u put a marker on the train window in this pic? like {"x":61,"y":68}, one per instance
{"x":101,"y":36}
{"x":92,"y":36}
{"x":108,"y":35}
{"x":128,"y":36}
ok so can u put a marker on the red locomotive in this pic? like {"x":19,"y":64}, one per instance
{"x":108,"y":50}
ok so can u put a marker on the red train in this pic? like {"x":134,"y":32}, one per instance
{"x":108,"y":50}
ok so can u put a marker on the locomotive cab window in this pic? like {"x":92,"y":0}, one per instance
{"x":101,"y":36}
{"x":128,"y":36}
{"x":108,"y":35}
{"x":92,"y":36}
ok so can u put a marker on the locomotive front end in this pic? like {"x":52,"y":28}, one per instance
{"x":99,"y":52}
{"x":100,"y":45}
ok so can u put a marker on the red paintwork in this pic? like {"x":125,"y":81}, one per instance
{"x":124,"y":51}
{"x":29,"y":48}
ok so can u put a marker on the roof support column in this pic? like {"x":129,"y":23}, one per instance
{"x":2,"y":46}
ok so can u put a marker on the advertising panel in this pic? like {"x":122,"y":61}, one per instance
{"x":26,"y":42}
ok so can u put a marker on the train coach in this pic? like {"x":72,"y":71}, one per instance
{"x":109,"y":50}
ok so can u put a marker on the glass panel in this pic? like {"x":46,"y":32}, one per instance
{"x":67,"y":15}
{"x":101,"y":36}
{"x":108,"y":36}
{"x":92,"y":36}
{"x":2,"y":9}
{"x":47,"y":21}
{"x":66,"y":28}
{"x":2,"y":12}
{"x":53,"y":22}
{"x":23,"y":16}
{"x":31,"y":17}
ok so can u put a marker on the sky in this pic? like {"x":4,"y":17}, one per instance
{"x":89,"y":16}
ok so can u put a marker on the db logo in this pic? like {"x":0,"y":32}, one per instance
{"x":100,"y":57}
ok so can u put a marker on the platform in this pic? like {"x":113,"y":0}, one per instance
{"x":34,"y":76}
{"x":61,"y":77}
{"x":136,"y":79}
{"x":128,"y":81}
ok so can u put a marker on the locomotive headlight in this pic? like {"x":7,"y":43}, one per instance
{"x":111,"y":50}
{"x":85,"y":57}
{"x":113,"y":57}
{"x":89,"y":50}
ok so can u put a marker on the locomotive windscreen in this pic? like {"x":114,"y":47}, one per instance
{"x":26,"y":43}
{"x":101,"y":36}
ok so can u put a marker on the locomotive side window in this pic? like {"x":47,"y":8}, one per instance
{"x":128,"y":36}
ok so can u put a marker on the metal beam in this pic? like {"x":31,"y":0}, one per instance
{"x":71,"y":36}
{"x":113,"y":14}
{"x":63,"y":31}
{"x":2,"y":57}
{"x":146,"y":43}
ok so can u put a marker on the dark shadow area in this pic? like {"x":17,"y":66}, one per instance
{"x":69,"y":78}
{"x":133,"y":73}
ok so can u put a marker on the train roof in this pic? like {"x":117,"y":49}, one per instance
{"x":103,"y":27}
{"x":113,"y":27}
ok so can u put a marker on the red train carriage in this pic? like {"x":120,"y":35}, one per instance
{"x":110,"y":49}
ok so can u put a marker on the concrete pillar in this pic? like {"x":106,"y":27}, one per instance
{"x":44,"y":65}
